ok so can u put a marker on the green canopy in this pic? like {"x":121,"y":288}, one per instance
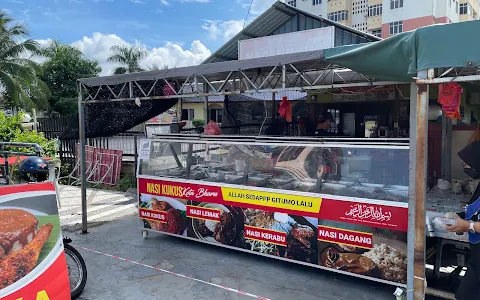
{"x":400,"y":57}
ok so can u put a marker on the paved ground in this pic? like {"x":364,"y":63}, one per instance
{"x":112,"y":278}
{"x":197,"y":269}
{"x":103,"y":206}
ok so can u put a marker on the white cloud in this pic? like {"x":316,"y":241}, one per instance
{"x":76,"y":1}
{"x":222,"y":29}
{"x":98,"y":47}
{"x":164,"y":2}
{"x":137,"y":1}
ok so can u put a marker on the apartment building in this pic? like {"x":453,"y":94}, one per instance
{"x":384,"y":18}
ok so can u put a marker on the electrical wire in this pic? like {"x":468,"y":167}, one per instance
{"x":248,"y":14}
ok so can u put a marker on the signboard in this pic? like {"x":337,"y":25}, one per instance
{"x":366,"y":238}
{"x":295,"y":42}
{"x":32,"y":258}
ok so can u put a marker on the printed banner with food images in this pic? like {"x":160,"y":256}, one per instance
{"x":363,"y":239}
{"x":32,"y":258}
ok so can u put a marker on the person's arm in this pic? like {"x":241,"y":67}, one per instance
{"x":463,"y":226}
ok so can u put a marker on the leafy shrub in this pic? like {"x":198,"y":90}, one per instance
{"x":198,"y":123}
{"x":11,"y":131}
{"x":48,"y":146}
{"x":9,"y":126}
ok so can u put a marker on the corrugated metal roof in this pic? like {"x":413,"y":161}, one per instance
{"x":266,"y":24}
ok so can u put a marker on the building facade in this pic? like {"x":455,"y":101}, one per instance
{"x":384,"y":18}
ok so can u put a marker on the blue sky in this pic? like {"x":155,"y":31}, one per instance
{"x":177,"y":32}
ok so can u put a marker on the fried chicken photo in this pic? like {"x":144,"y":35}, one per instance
{"x":174,"y":221}
{"x":16,"y":265}
{"x":17,"y":229}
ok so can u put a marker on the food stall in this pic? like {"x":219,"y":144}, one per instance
{"x":326,"y":204}
{"x":354,"y":206}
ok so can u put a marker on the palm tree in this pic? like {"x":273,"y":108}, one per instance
{"x":128,"y":57}
{"x":55,"y":47}
{"x":19,"y":76}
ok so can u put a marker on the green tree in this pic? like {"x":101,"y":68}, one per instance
{"x":19,"y":76}
{"x":64,"y":65}
{"x":128,"y":57}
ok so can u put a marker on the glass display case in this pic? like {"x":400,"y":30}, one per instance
{"x":371,"y":172}
{"x":340,"y":206}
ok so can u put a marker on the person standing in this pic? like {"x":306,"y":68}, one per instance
{"x":321,"y":129}
{"x":469,"y":221}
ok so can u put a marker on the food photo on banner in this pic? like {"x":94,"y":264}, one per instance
{"x":363,"y":250}
{"x":32,"y":259}
{"x":163,"y":214}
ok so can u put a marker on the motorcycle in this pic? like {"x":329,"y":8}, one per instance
{"x":77,"y":269}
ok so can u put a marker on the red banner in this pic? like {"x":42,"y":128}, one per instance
{"x":34,"y":269}
{"x":153,"y":215}
{"x":53,"y":284}
{"x":373,"y":215}
{"x":345,"y":237}
{"x":203,"y":213}
{"x":265,"y":235}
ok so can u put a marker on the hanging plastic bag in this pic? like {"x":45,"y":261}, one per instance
{"x":449,"y":96}
{"x":285,"y":109}
{"x":212,"y":128}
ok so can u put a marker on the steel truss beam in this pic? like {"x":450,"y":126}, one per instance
{"x":289,"y":77}
{"x":446,"y":75}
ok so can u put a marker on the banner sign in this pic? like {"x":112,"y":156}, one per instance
{"x":32,"y":258}
{"x":363,"y":238}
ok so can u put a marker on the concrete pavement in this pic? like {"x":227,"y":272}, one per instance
{"x":102,"y":206}
{"x":199,"y":271}
{"x":112,"y":278}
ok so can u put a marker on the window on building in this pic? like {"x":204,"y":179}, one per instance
{"x":377,"y":32}
{"x":338,"y":16}
{"x":188,"y":114}
{"x":396,"y":27}
{"x":317,"y":2}
{"x":292,"y":3}
{"x":396,"y":4}
{"x":375,"y":10}
{"x":464,"y":9}
{"x":216,"y":115}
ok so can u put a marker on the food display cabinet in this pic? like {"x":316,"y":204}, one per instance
{"x":340,"y":206}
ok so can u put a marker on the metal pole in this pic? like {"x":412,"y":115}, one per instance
{"x":446,"y":148}
{"x":284,"y":77}
{"x":207,"y":117}
{"x":419,"y":95}
{"x":83,"y":163}
{"x":274,"y":108}
{"x":35,"y":127}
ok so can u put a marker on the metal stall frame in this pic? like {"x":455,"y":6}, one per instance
{"x":291,"y":72}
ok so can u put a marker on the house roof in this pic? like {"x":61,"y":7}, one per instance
{"x":267,"y":23}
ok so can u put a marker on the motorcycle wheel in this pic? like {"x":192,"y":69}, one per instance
{"x":77,"y":271}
